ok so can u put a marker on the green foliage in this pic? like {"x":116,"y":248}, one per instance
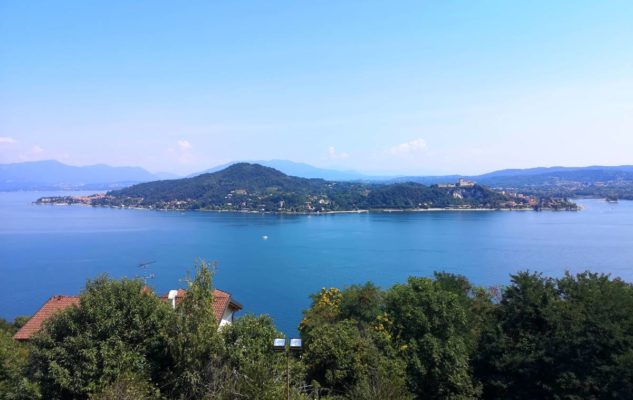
{"x":326,"y":309}
{"x":13,"y":360}
{"x":568,"y":338}
{"x":344,"y":360}
{"x":195,"y":344}
{"x":124,"y":342}
{"x":347,"y":349}
{"x":6,"y":326}
{"x":12,"y":327}
{"x":118,"y":329}
{"x":257,"y":371}
{"x":430,"y":326}
{"x":414,"y":195}
{"x":128,"y":387}
{"x":383,"y":381}
{"x":442,"y":338}
{"x":19,"y":322}
{"x":362,"y":303}
{"x":334,"y":355}
{"x":476,"y":303}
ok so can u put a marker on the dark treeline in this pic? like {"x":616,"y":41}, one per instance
{"x":439,"y":338}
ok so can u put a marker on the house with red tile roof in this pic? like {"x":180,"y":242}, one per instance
{"x":224,"y":309}
{"x":53,"y":305}
{"x":224,"y":306}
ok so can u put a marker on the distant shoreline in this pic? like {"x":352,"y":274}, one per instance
{"x":372,"y":211}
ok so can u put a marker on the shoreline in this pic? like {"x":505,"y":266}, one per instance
{"x":363,"y":211}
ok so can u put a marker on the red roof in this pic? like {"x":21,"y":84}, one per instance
{"x":221,"y":301}
{"x":53,"y":305}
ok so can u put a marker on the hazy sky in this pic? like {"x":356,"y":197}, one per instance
{"x":418,"y":87}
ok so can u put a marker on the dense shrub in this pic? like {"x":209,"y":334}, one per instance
{"x":117,"y":329}
{"x":566,"y":338}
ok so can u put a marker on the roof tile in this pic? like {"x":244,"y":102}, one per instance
{"x":53,"y":305}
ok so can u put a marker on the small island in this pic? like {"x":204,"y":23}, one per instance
{"x":247,"y":187}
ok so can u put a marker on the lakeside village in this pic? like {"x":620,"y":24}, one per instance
{"x":240,"y":200}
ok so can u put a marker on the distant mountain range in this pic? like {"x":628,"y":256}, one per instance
{"x":556,"y":175}
{"x":506,"y":178}
{"x":53,"y":175}
{"x":553,"y":181}
{"x":593,"y":181}
{"x":535,"y":176}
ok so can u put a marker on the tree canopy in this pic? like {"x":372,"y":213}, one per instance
{"x":569,"y":337}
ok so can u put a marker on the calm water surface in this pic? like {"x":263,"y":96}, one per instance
{"x":47,"y":250}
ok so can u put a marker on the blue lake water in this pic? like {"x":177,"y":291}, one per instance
{"x":48,"y":250}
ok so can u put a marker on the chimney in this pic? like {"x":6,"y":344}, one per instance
{"x":172,"y":296}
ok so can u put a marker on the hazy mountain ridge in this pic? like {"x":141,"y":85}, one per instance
{"x":531,"y":175}
{"x":517,"y":178}
{"x":597,"y":181}
{"x":585,"y":175}
{"x":54,"y":175}
{"x":593,"y":181}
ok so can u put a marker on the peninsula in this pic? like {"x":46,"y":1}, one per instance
{"x":254,"y":188}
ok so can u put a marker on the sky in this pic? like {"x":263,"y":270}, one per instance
{"x":384,"y":87}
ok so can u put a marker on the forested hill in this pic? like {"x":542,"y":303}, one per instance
{"x":252,"y":187}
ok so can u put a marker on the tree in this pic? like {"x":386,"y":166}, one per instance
{"x":475,"y":301}
{"x":512,"y":360}
{"x":13,"y":360}
{"x":594,"y":337}
{"x":325,"y":309}
{"x":362,"y":303}
{"x":128,"y":387}
{"x":345,"y":361}
{"x":429,"y":326}
{"x":13,"y":327}
{"x":333,"y":355}
{"x":347,"y":348}
{"x":117,"y":329}
{"x":195,"y":346}
{"x":257,"y":372}
{"x":560,"y":338}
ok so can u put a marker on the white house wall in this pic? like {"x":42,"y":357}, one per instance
{"x":227,"y":318}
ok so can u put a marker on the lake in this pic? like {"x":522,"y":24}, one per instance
{"x":48,"y":250}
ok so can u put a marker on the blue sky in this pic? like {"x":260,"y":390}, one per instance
{"x":385,"y":87}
